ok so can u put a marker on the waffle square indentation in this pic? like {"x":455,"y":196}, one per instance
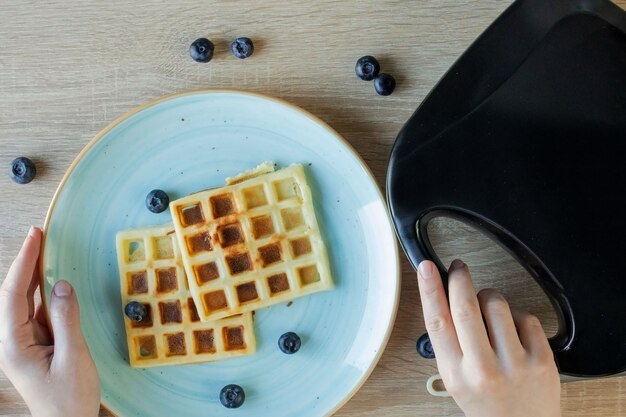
{"x":222,"y":205}
{"x":247,"y":292}
{"x":234,"y":338}
{"x":301,"y":246}
{"x":206,"y":272}
{"x":239,"y":262}
{"x":136,"y":251}
{"x":286,"y":189}
{"x":171,"y":312}
{"x":191,"y":214}
{"x":230,"y":234}
{"x":137,"y":282}
{"x":270,"y":254}
{"x":146,"y":347}
{"x":278,"y":283}
{"x":262,"y":226}
{"x":215,"y":300}
{"x":176,"y":344}
{"x":193,"y":311}
{"x":163,"y":247}
{"x":204,"y":341}
{"x":254,"y":197}
{"x":292,"y":218}
{"x":199,"y":242}
{"x":147,"y":320}
{"x":308,"y":275}
{"x":166,"y":280}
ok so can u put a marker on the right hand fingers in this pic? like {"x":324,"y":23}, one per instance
{"x":437,"y":316}
{"x":531,"y":335}
{"x":466,"y":314}
{"x":499,"y":320}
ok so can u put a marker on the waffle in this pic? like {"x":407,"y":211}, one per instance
{"x":252,"y":243}
{"x":151,"y":273}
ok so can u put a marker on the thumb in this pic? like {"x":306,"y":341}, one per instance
{"x":69,"y":344}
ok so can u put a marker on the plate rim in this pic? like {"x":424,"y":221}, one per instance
{"x":201,"y":91}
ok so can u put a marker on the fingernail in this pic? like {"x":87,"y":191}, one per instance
{"x":425,"y":270}
{"x":32,"y":231}
{"x":62,"y":289}
{"x":457,"y":264}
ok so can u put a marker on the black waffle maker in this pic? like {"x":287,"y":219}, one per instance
{"x":525,"y":139}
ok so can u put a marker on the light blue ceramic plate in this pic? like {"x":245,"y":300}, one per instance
{"x":193,"y":141}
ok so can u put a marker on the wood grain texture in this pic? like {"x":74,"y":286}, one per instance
{"x":68,"y":68}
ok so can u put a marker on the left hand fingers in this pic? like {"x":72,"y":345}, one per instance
{"x":40,"y":327}
{"x":16,"y":292}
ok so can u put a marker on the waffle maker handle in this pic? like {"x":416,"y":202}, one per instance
{"x":419,"y":248}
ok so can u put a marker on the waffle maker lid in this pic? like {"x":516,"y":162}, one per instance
{"x":525,"y":138}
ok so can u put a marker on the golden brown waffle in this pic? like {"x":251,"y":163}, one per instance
{"x":252,"y":243}
{"x":151,"y":273}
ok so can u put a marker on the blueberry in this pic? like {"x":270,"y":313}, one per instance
{"x":289,"y":343}
{"x":157,"y":201}
{"x":242,"y":47}
{"x":201,"y":50}
{"x":367,"y":67}
{"x":22,"y":170}
{"x":232,"y":396}
{"x":135,"y":311}
{"x":384,"y":84}
{"x":424,"y":347}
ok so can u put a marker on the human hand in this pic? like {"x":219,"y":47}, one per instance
{"x":55,"y":380}
{"x":504,"y":369}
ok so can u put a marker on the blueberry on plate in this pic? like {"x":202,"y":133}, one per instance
{"x":384,"y":84}
{"x":232,"y":396}
{"x":424,"y":347}
{"x":289,"y":343}
{"x":22,"y":170}
{"x":157,"y":201}
{"x":367,"y":67}
{"x":135,"y":311}
{"x":242,"y":47}
{"x":201,"y":50}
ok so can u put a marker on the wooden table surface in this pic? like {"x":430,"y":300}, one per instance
{"x":68,"y":69}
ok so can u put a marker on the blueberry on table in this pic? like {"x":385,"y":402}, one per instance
{"x":424,"y":347}
{"x":367,"y":67}
{"x":289,"y":343}
{"x":22,"y":170}
{"x":135,"y":311}
{"x":384,"y":84}
{"x":157,"y":201}
{"x":232,"y":396}
{"x":242,"y":47}
{"x":201,"y":50}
